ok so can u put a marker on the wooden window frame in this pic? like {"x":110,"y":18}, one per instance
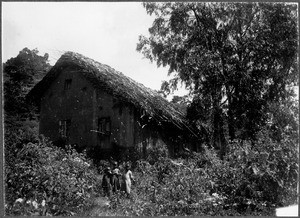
{"x":104,"y":125}
{"x":64,"y":128}
{"x":68,"y":83}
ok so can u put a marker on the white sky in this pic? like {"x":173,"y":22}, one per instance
{"x":104,"y":31}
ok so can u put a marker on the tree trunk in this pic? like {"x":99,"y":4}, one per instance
{"x":218,"y":137}
{"x":231,"y":128}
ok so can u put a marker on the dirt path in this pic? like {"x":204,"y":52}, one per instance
{"x":100,"y":208}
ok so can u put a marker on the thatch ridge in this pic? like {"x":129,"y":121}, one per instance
{"x":105,"y":77}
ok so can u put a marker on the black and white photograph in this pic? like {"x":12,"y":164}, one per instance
{"x":150,"y":108}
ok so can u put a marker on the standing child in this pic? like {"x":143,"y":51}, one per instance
{"x":106,"y":182}
{"x":115,"y":177}
{"x":127,"y":178}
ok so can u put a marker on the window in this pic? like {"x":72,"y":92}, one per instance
{"x":104,"y":125}
{"x":68,"y":83}
{"x":64,"y":128}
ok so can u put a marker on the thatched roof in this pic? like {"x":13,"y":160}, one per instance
{"x":104,"y":77}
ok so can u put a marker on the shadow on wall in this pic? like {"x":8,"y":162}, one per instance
{"x":117,"y":153}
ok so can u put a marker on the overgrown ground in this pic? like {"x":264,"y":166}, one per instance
{"x":253,"y":179}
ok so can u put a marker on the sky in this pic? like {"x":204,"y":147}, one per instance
{"x":104,"y":31}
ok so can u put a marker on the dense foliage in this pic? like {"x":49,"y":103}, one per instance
{"x":252,"y":179}
{"x":237,"y":60}
{"x":42,"y":179}
{"x":21,"y":73}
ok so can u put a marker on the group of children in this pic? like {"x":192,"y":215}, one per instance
{"x":114,"y":181}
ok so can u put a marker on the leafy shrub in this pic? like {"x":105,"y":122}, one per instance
{"x":18,"y":133}
{"x":47,"y":180}
{"x":256,"y":176}
{"x":252,"y":179}
{"x":169,"y":187}
{"x":155,"y":153}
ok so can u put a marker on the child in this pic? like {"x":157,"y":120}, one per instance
{"x":127,"y":178}
{"x":106,"y":182}
{"x":115,"y":177}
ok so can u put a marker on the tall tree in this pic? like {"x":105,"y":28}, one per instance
{"x":234,"y":58}
{"x":21,"y":73}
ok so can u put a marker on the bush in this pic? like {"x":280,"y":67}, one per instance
{"x":252,"y":179}
{"x":270,"y":168}
{"x":257,"y":176}
{"x":47,"y":180}
{"x":155,"y":153}
{"x":169,"y":188}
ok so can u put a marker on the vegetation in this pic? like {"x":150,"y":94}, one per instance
{"x":239,"y":63}
{"x":252,"y":179}
{"x":236,"y":59}
{"x":42,"y":179}
{"x":20,"y":75}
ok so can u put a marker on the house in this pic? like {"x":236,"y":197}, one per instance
{"x":96,"y":107}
